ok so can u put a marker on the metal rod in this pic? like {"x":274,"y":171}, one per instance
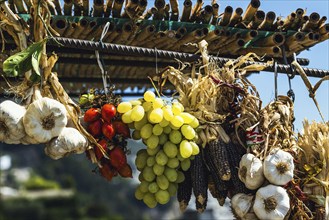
{"x":147,"y":52}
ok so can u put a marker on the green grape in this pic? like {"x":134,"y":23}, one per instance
{"x":171,"y":174}
{"x":180,"y":177}
{"x":139,"y":124}
{"x":170,"y":149}
{"x":167,"y":113}
{"x":157,"y":130}
{"x":162,"y":182}
{"x":150,"y":161}
{"x":144,"y":186}
{"x":139,"y":194}
{"x":152,"y":142}
{"x":158,"y":169}
{"x":164,"y":122}
{"x":163,"y":139}
{"x":147,"y":106}
{"x":157,"y":103}
{"x":167,"y":130}
{"x":141,"y":158}
{"x":177,"y":121}
{"x":188,"y":132}
{"x":195,"y":123}
{"x":161,"y":158}
{"x":137,"y":113}
{"x":185,"y":164}
{"x":195,"y":148}
{"x":136,"y":135}
{"x":146,"y":131}
{"x":156,"y":115}
{"x":175,"y":136}
{"x":162,"y":196}
{"x":135,"y":102}
{"x":179,"y":104}
{"x":149,"y":200}
{"x":154,"y":151}
{"x":149,"y":96}
{"x":123,"y":107}
{"x":187,"y":117}
{"x":173,"y":162}
{"x":172,"y":189}
{"x":176,"y":108}
{"x":140,"y":177}
{"x":185,"y":149}
{"x":126,"y":117}
{"x":153,"y":187}
{"x":148,"y":174}
{"x":179,"y":157}
{"x":173,"y":127}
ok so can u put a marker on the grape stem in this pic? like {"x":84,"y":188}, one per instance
{"x":156,"y":90}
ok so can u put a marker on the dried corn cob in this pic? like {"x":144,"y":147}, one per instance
{"x":219,"y":193}
{"x":184,"y":191}
{"x":199,"y":179}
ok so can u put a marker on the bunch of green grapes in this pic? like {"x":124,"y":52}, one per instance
{"x":168,"y":133}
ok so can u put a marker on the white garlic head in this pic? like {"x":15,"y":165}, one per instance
{"x":45,"y":118}
{"x":251,"y":171}
{"x":11,"y":124}
{"x":68,"y":142}
{"x":241,"y":204}
{"x":271,"y":202}
{"x":279,"y":167}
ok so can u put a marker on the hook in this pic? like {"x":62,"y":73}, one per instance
{"x":290,"y":92}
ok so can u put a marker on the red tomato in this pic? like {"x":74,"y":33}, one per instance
{"x":118,"y":158}
{"x":91,"y":115}
{"x":98,"y":152}
{"x":121,"y":128}
{"x":108,"y":130}
{"x":108,"y":112}
{"x":126,"y":171}
{"x":95,"y":128}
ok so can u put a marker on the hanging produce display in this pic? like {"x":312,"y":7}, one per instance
{"x":213,"y":136}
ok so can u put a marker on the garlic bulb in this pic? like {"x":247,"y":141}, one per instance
{"x":45,"y":118}
{"x":251,"y":171}
{"x":27,"y":140}
{"x":11,"y":124}
{"x":279,"y":167}
{"x":69,"y":141}
{"x":271,"y":202}
{"x":241,"y":204}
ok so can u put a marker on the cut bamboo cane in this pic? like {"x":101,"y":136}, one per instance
{"x":277,"y":24}
{"x":300,"y":12}
{"x":89,"y":29}
{"x":117,"y":7}
{"x":60,"y":25}
{"x":11,"y":6}
{"x":207,"y":13}
{"x":324,"y":37}
{"x":149,"y":13}
{"x":182,"y":30}
{"x":130,"y":9}
{"x":232,"y":47}
{"x":187,"y":7}
{"x":197,"y":7}
{"x":145,"y":33}
{"x":215,"y":9}
{"x":315,"y":39}
{"x":274,"y":51}
{"x":114,"y":35}
{"x":268,"y":22}
{"x":174,"y":10}
{"x":236,"y":17}
{"x":191,"y":37}
{"x":70,"y":29}
{"x":308,"y":40}
{"x":28,"y":4}
{"x":294,"y":39}
{"x":85,"y":7}
{"x":81,"y":26}
{"x":324,"y":29}
{"x":230,"y":39}
{"x":77,"y":7}
{"x":275,"y":39}
{"x":249,"y":35}
{"x":160,"y":5}
{"x":258,"y":19}
{"x":213,"y":35}
{"x":250,"y":11}
{"x":225,"y":19}
{"x":166,"y":14}
{"x":127,"y":30}
{"x":289,"y":21}
{"x":20,"y":6}
{"x":321,"y":22}
{"x":312,"y":22}
{"x":170,"y":41}
{"x":57,"y":4}
{"x":98,"y":8}
{"x":142,"y":4}
{"x":96,"y":33}
{"x":108,"y":8}
{"x":68,"y":7}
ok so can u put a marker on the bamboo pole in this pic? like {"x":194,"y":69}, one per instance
{"x":213,"y":35}
{"x":187,"y":7}
{"x":149,"y":13}
{"x":277,"y":24}
{"x":206,"y":14}
{"x":250,"y":11}
{"x":258,"y":19}
{"x":20,"y":6}
{"x":225,"y":18}
{"x":275,"y":39}
{"x":98,"y":8}
{"x":130,"y":9}
{"x":81,"y":26}
{"x":197,"y":7}
{"x":324,"y":29}
{"x":114,"y":34}
{"x":312,"y":22}
{"x":232,"y":47}
{"x":310,"y":39}
{"x":68,"y":7}
{"x":160,"y":5}
{"x":142,"y":4}
{"x":230,"y":39}
{"x":166,"y":13}
{"x":273,"y":51}
{"x":70,"y":29}
{"x":78,"y":7}
{"x":236,"y":17}
{"x":88,"y":30}
{"x":215,"y":9}
{"x":117,"y":7}
{"x":174,"y":10}
{"x":294,"y":40}
{"x":57,"y":4}
{"x":321,"y":22}
{"x":268,"y":22}
{"x":144,"y":34}
{"x":11,"y":6}
{"x":60,"y":25}
{"x":108,"y":8}
{"x":191,"y":37}
{"x":249,"y":35}
{"x":127,"y":30}
{"x":289,"y":21}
